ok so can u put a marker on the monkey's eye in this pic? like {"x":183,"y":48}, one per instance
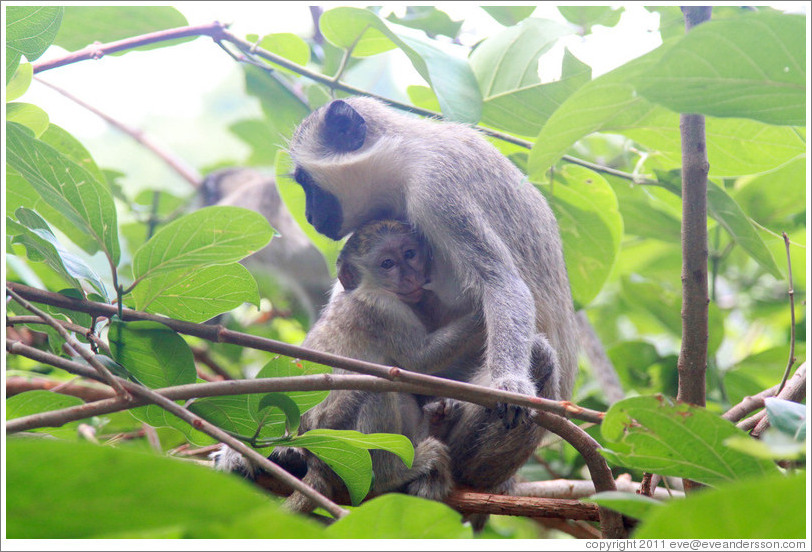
{"x":409,"y":254}
{"x":387,"y":264}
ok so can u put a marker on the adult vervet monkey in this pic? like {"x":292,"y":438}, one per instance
{"x":496,"y":250}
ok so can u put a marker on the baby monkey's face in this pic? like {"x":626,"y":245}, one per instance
{"x":400,"y":266}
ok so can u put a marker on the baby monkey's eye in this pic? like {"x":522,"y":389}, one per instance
{"x":409,"y":254}
{"x":387,"y":264}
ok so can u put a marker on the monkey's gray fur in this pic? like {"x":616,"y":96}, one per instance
{"x":290,"y":257}
{"x":496,"y":251}
{"x":370,"y":319}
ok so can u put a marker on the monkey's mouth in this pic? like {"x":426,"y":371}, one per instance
{"x":413,"y":296}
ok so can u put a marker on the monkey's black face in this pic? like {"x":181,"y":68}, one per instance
{"x":344,"y":128}
{"x":322,"y":208}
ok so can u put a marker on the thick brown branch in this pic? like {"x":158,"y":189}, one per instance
{"x":427,"y":384}
{"x":611,"y":522}
{"x":88,"y":392}
{"x":794,"y":390}
{"x":469,"y":502}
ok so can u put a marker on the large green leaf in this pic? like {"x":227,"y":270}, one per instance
{"x":287,"y":45}
{"x":153,"y":353}
{"x":64,"y":142}
{"x":655,"y":435}
{"x":591,"y":228}
{"x":607,"y":102}
{"x":197,"y":294}
{"x":210,"y":236}
{"x":735,"y":147}
{"x":506,"y":67}
{"x":396,"y":516}
{"x":751,"y":66}
{"x":19,"y":82}
{"x":66,"y":187}
{"x":775,"y":198}
{"x":346,"y":452}
{"x":29,"y":32}
{"x":763,"y":508}
{"x":28,"y":115}
{"x":450,"y":77}
{"x":34,"y":402}
{"x":83,"y":25}
{"x":429,"y":19}
{"x":65,"y":490}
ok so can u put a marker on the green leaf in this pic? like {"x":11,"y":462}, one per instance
{"x":450,"y":77}
{"x":396,"y":516}
{"x":423,"y":96}
{"x":734,"y":146}
{"x":429,"y":19}
{"x":353,"y":465}
{"x":34,"y":402}
{"x":274,"y":421}
{"x":509,"y":15}
{"x":629,"y":504}
{"x":787,"y":416}
{"x":718,"y":69}
{"x":19,"y":193}
{"x":210,"y":236}
{"x":65,"y":490}
{"x":228,"y":412}
{"x":654,"y":435}
{"x":607,"y":102}
{"x":153,"y":353}
{"x":83,"y":25}
{"x":20,"y":82}
{"x":731,"y":512}
{"x":587,"y":16}
{"x":399,"y":445}
{"x":346,"y":452}
{"x":724,"y":209}
{"x":758,"y":371}
{"x":506,"y":67}
{"x":287,"y":45}
{"x":197,"y":294}
{"x":294,"y":199}
{"x":42,"y":246}
{"x":288,"y":407}
{"x":774,"y":198}
{"x":28,"y":115}
{"x":29,"y":32}
{"x":64,"y":142}
{"x":66,"y":187}
{"x":591,"y":228}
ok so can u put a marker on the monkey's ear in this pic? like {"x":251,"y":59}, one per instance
{"x":348,"y":275}
{"x":344,"y":128}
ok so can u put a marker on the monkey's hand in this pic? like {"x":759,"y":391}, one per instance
{"x":513,"y":415}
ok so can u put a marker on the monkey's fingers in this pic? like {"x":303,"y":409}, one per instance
{"x":511,"y":415}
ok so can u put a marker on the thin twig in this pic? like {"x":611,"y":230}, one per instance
{"x":74,"y":345}
{"x":791,"y":293}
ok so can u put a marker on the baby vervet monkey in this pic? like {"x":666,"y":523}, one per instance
{"x":381,"y":315}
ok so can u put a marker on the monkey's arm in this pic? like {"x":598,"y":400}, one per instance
{"x":463,"y":237}
{"x":434,"y":352}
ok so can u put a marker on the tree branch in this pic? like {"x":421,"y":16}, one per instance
{"x":611,"y":522}
{"x":91,"y":359}
{"x":794,"y":390}
{"x":791,"y":293}
{"x":421,"y":382}
{"x":693,"y":358}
